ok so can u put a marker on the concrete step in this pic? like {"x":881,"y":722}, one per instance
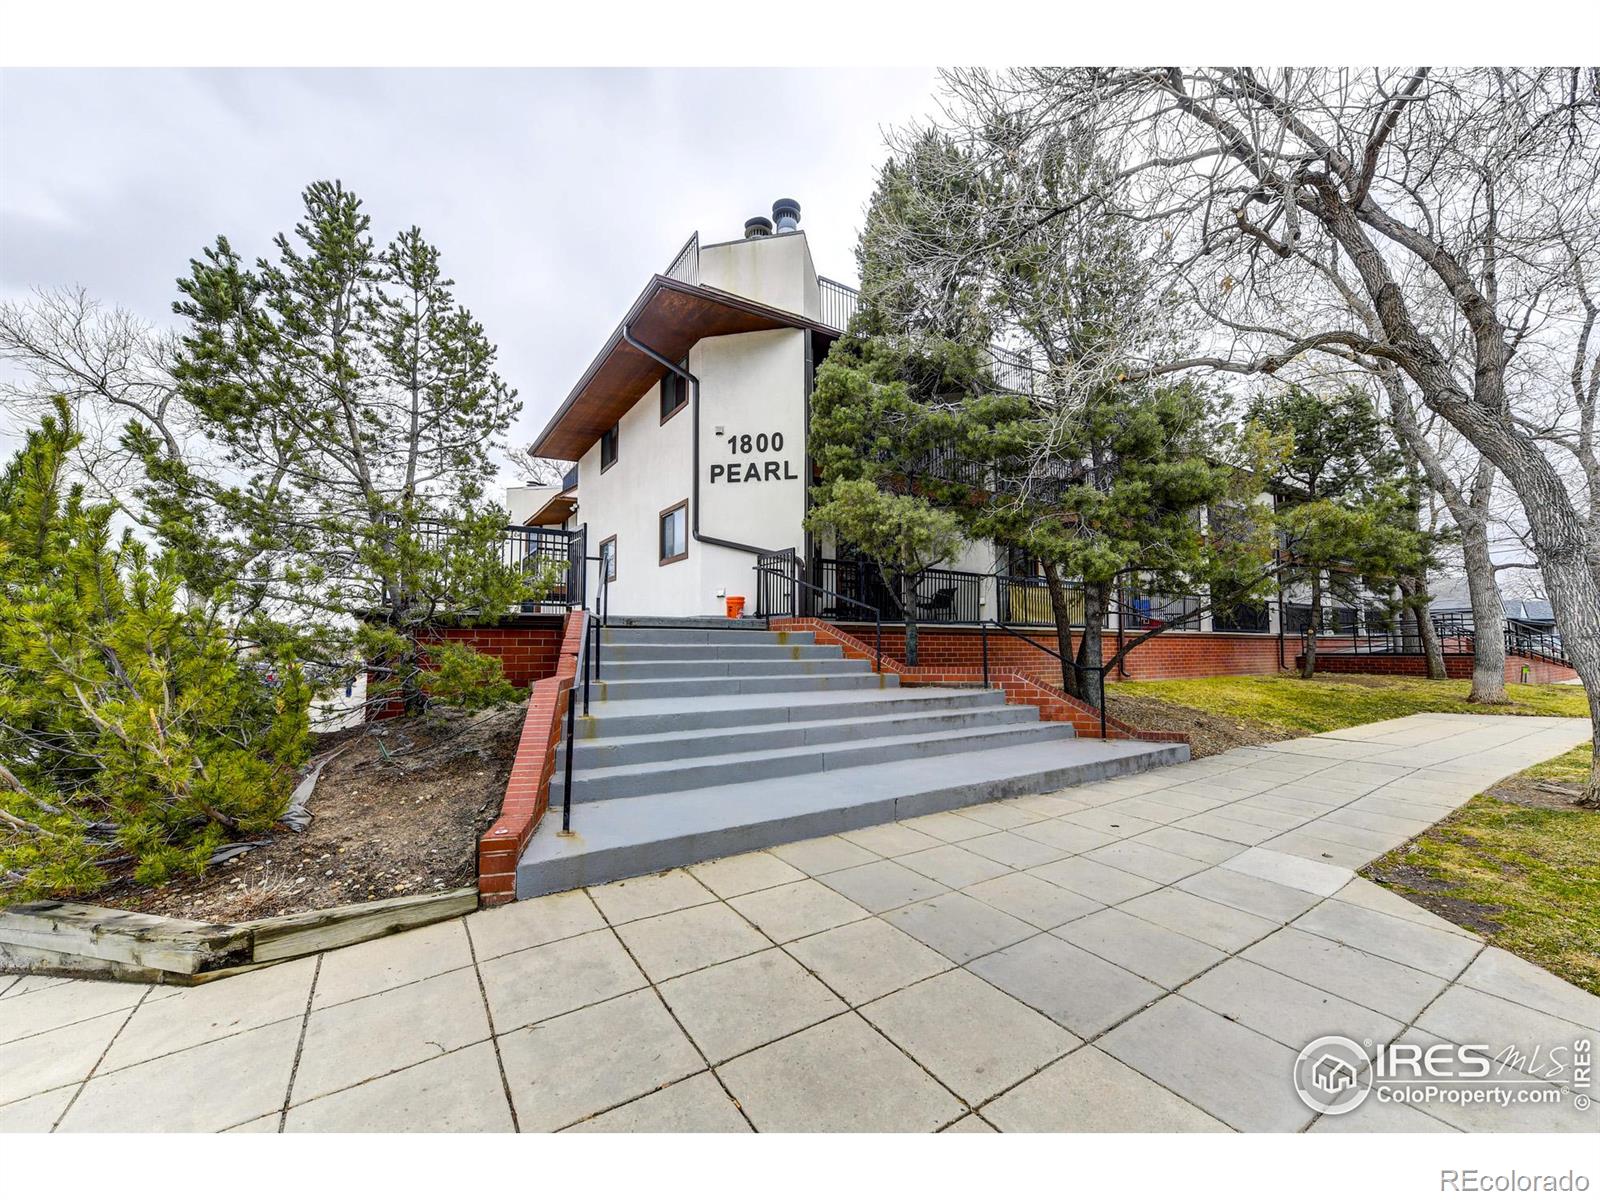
{"x":612,"y":635}
{"x":665,"y":714}
{"x":709,"y":664}
{"x":842,"y":680}
{"x":707,"y":622}
{"x":784,"y":731}
{"x":616,"y":839}
{"x":688,"y":651}
{"x":637,"y":779}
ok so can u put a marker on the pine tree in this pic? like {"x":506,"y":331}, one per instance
{"x":874,"y":424}
{"x":1347,"y":508}
{"x":131,"y":729}
{"x":355,"y":407}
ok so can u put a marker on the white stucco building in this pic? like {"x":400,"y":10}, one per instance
{"x":689,"y":427}
{"x":689,"y":431}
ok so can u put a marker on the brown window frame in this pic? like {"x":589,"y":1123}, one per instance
{"x":680,"y":386}
{"x":615,"y":433}
{"x":611,"y":571}
{"x":661,"y":529}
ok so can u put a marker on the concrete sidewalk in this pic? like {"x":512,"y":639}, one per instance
{"x":1149,"y":953}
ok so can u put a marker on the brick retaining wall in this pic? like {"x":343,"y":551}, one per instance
{"x":1021,"y":685}
{"x":528,"y":790}
{"x":1173,"y":655}
{"x":527,"y":650}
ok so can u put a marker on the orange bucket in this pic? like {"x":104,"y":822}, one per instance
{"x":735,"y":607}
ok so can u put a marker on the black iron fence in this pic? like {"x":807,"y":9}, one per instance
{"x":1146,"y":610}
{"x":1525,"y":639}
{"x":942,"y":597}
{"x":1455,"y":631}
{"x":839,"y":303}
{"x":529,"y":549}
{"x":1025,"y":600}
{"x":778,"y":583}
{"x":945,"y":461}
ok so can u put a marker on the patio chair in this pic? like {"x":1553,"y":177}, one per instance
{"x":943,"y":602}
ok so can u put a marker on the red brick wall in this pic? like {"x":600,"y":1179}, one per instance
{"x":527,"y":652}
{"x":1020,"y":685}
{"x":528,"y":789}
{"x":1456,"y":666}
{"x":1175,"y":655}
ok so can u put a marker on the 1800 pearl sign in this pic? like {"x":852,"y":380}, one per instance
{"x":749,"y":466}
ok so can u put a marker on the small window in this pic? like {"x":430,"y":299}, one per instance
{"x":675,"y":532}
{"x":608,"y":447}
{"x":674,"y":392}
{"x":608,"y":558}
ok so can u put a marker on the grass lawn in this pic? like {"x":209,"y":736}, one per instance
{"x":1519,"y":865}
{"x":1291,"y":706}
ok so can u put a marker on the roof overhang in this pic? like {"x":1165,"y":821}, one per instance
{"x":556,"y":509}
{"x":670,"y":317}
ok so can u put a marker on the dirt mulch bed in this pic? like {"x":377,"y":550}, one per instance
{"x":1429,"y":892}
{"x":1209,"y":733}
{"x":397,"y":811}
{"x":1537,"y":793}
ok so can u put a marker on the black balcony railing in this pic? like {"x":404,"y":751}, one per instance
{"x":942,"y":597}
{"x":839,"y":303}
{"x":685,"y":265}
{"x":1242,"y":618}
{"x":1025,"y":600}
{"x":527,"y":548}
{"x":1147,"y":610}
{"x":943,"y":461}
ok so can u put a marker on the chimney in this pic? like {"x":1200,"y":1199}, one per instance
{"x":786,"y":215}
{"x":757,"y":227}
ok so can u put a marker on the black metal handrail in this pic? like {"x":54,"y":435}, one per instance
{"x":1527,"y":639}
{"x":1055,"y":654}
{"x":794,"y":580}
{"x":1456,"y":633}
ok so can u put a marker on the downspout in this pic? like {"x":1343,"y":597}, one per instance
{"x":694,"y":416}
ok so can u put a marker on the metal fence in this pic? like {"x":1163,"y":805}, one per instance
{"x":524,"y":548}
{"x":1147,"y":610}
{"x":777,"y":583}
{"x":839,"y":303}
{"x":1025,"y":600}
{"x":942,"y":597}
{"x":685,"y":265}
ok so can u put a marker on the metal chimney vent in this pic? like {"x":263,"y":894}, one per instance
{"x":757,"y":227}
{"x":786,"y":215}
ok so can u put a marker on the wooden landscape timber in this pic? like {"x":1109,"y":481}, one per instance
{"x":52,"y":937}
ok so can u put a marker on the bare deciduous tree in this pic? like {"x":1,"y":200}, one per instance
{"x":109,"y":365}
{"x":1439,"y":223}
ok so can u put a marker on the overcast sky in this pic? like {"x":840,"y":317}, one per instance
{"x":552,"y":194}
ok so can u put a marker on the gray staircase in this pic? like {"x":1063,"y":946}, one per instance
{"x":713,"y":738}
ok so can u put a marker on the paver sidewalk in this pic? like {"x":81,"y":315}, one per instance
{"x":1148,"y":953}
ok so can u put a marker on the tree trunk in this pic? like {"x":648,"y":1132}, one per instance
{"x":1431,"y":647}
{"x":1091,"y":682}
{"x":908,"y":609}
{"x":1488,"y":618}
{"x":1414,"y":602}
{"x":1061,"y":612}
{"x":1313,"y":624}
